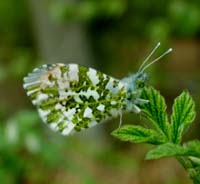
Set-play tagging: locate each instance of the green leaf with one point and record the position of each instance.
(167, 150)
(155, 110)
(195, 161)
(194, 146)
(138, 134)
(182, 116)
(191, 149)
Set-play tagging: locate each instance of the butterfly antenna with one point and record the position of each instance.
(165, 53)
(147, 58)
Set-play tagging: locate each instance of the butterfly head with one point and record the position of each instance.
(137, 81)
(140, 80)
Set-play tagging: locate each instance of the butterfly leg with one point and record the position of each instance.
(136, 109)
(120, 119)
(141, 101)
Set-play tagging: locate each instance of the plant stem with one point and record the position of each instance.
(183, 162)
(187, 164)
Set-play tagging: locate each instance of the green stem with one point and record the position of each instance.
(182, 162)
(187, 164)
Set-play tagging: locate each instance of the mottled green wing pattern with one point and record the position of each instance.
(72, 97)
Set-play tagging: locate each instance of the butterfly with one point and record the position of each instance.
(71, 97)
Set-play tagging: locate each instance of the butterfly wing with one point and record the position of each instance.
(72, 97)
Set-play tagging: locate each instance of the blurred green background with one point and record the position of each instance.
(114, 37)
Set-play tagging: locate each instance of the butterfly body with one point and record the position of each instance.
(71, 97)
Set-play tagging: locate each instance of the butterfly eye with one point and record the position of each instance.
(141, 79)
(140, 83)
